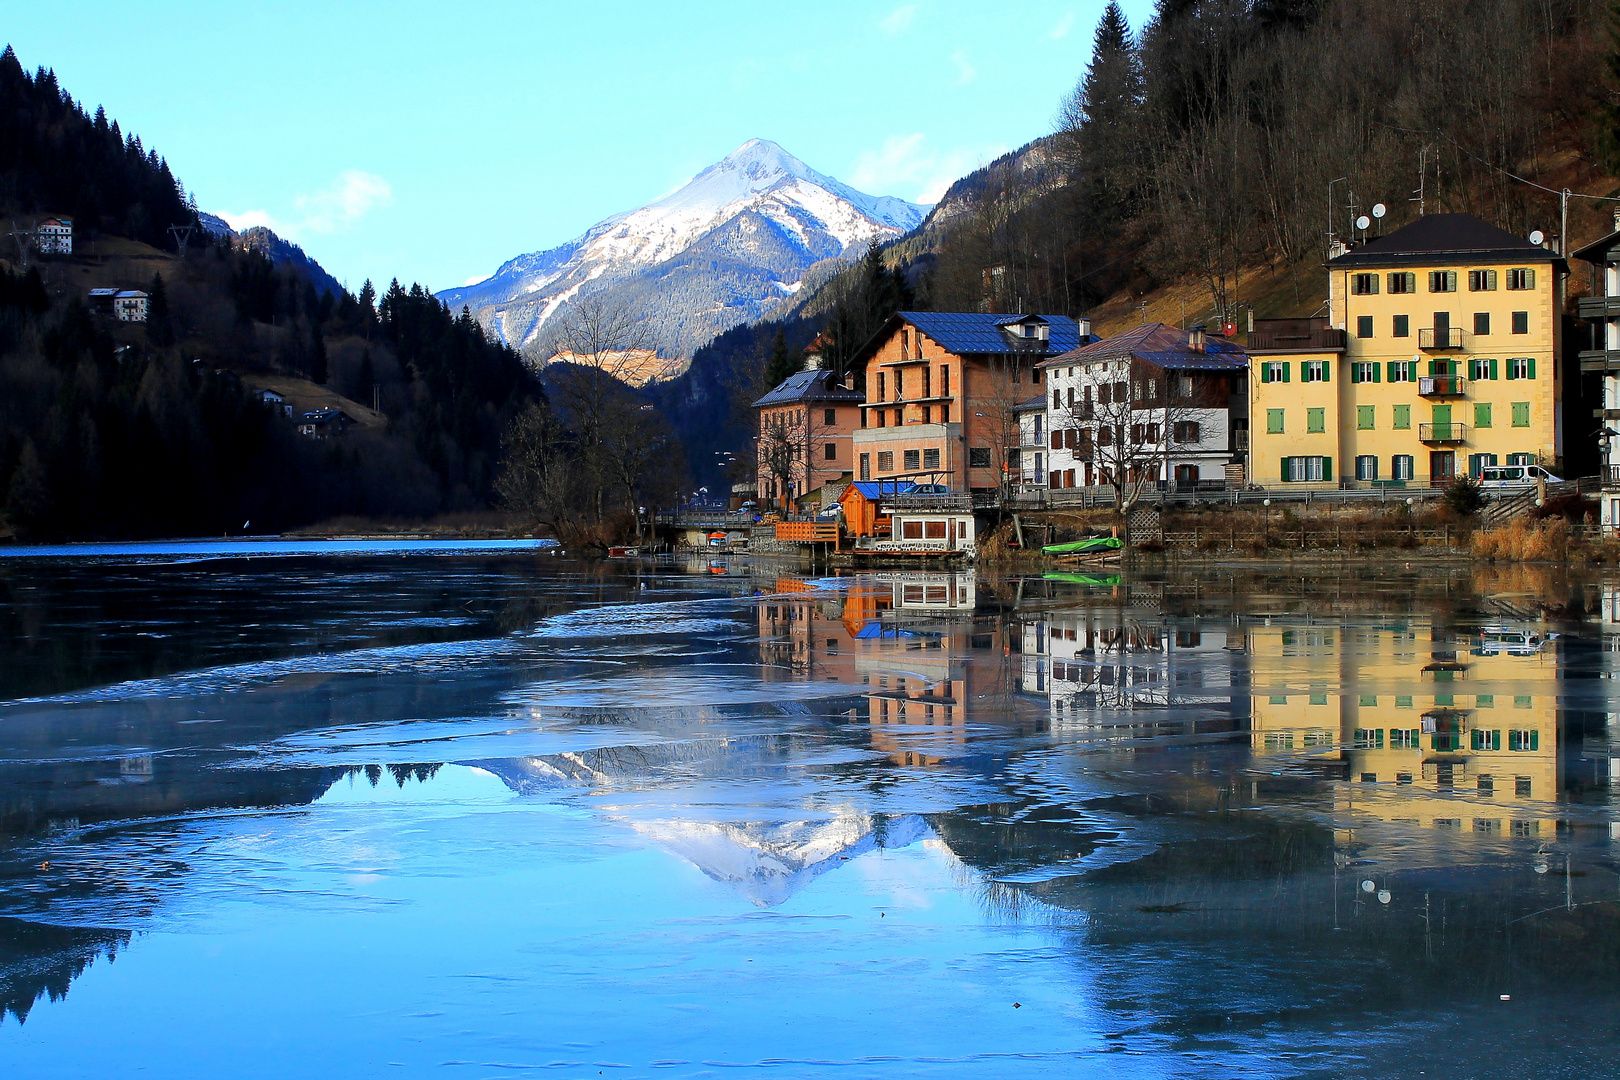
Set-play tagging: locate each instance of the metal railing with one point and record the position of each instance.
(1442, 386)
(1443, 433)
(1443, 337)
(1291, 340)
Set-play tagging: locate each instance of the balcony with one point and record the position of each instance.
(1611, 477)
(1296, 339)
(1598, 307)
(1442, 433)
(1442, 386)
(1440, 339)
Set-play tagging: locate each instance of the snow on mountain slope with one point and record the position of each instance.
(721, 250)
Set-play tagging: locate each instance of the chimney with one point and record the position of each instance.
(1084, 326)
(1195, 338)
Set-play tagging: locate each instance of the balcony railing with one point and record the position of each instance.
(1240, 439)
(1611, 476)
(1442, 386)
(1443, 433)
(1320, 338)
(1598, 307)
(1439, 338)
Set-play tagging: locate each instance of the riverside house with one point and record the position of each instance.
(941, 393)
(1438, 357)
(804, 432)
(1601, 310)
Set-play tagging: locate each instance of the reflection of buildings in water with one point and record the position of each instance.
(909, 640)
(1453, 735)
(1117, 673)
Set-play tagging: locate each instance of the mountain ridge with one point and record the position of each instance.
(725, 248)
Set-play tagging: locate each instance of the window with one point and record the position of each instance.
(1364, 422)
(1520, 279)
(829, 416)
(1403, 701)
(944, 381)
(1480, 369)
(1184, 387)
(1482, 281)
(1274, 421)
(1315, 421)
(1521, 367)
(1153, 389)
(1402, 282)
(1056, 442)
(911, 530)
(1401, 467)
(945, 412)
(1477, 464)
(1369, 738)
(1403, 738)
(979, 457)
(830, 451)
(1521, 459)
(1485, 740)
(1186, 431)
(899, 386)
(1401, 418)
(1364, 285)
(1403, 326)
(1366, 467)
(866, 466)
(928, 414)
(1136, 390)
(1521, 701)
(1313, 371)
(1363, 371)
(1482, 322)
(913, 460)
(1057, 398)
(1482, 415)
(931, 458)
(1444, 281)
(885, 461)
(1521, 322)
(882, 418)
(926, 377)
(1523, 741)
(880, 393)
(1274, 371)
(1402, 371)
(1484, 701)
(1299, 469)
(1521, 414)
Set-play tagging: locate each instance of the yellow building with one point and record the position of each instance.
(1450, 735)
(1438, 357)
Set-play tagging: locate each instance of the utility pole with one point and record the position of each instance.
(1330, 236)
(24, 238)
(182, 236)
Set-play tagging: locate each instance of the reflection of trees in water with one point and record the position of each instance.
(38, 960)
(401, 773)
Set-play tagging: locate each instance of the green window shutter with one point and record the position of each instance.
(1521, 414)
(1285, 478)
(1327, 372)
(1286, 365)
(1265, 372)
(1392, 370)
(1530, 283)
(1535, 740)
(1510, 374)
(1482, 414)
(1327, 468)
(1451, 281)
(1493, 369)
(1531, 373)
(1375, 372)
(1496, 740)
(1355, 373)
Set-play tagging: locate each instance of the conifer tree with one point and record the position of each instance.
(159, 330)
(780, 362)
(317, 358)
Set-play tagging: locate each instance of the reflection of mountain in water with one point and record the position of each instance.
(767, 862)
(37, 960)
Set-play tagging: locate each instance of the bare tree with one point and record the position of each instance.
(1126, 421)
(786, 446)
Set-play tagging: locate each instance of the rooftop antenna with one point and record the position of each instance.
(1330, 236)
(182, 236)
(1379, 211)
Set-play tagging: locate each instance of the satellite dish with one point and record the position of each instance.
(1368, 885)
(1363, 222)
(1537, 237)
(1379, 210)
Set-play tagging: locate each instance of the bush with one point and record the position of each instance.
(1464, 497)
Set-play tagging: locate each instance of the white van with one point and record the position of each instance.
(1500, 477)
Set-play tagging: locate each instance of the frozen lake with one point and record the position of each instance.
(485, 811)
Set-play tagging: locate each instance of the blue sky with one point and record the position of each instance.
(433, 141)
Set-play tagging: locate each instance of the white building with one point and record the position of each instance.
(130, 305)
(1029, 466)
(1155, 400)
(54, 236)
(1602, 312)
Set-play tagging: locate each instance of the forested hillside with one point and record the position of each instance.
(112, 429)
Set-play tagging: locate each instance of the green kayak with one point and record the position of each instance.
(1085, 579)
(1097, 545)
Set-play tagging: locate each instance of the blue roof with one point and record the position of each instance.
(876, 489)
(812, 385)
(972, 332)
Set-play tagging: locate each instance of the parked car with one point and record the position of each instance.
(930, 489)
(1513, 477)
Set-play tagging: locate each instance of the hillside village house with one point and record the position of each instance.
(54, 236)
(1602, 356)
(130, 305)
(941, 389)
(1155, 403)
(803, 437)
(1439, 357)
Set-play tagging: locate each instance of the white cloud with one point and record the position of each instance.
(907, 166)
(899, 20)
(965, 72)
(350, 197)
(1064, 25)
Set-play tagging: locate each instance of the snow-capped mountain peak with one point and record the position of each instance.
(720, 250)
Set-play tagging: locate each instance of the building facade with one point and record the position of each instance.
(941, 394)
(803, 436)
(1601, 311)
(1152, 404)
(1438, 358)
(54, 236)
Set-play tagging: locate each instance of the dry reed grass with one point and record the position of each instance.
(1524, 540)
